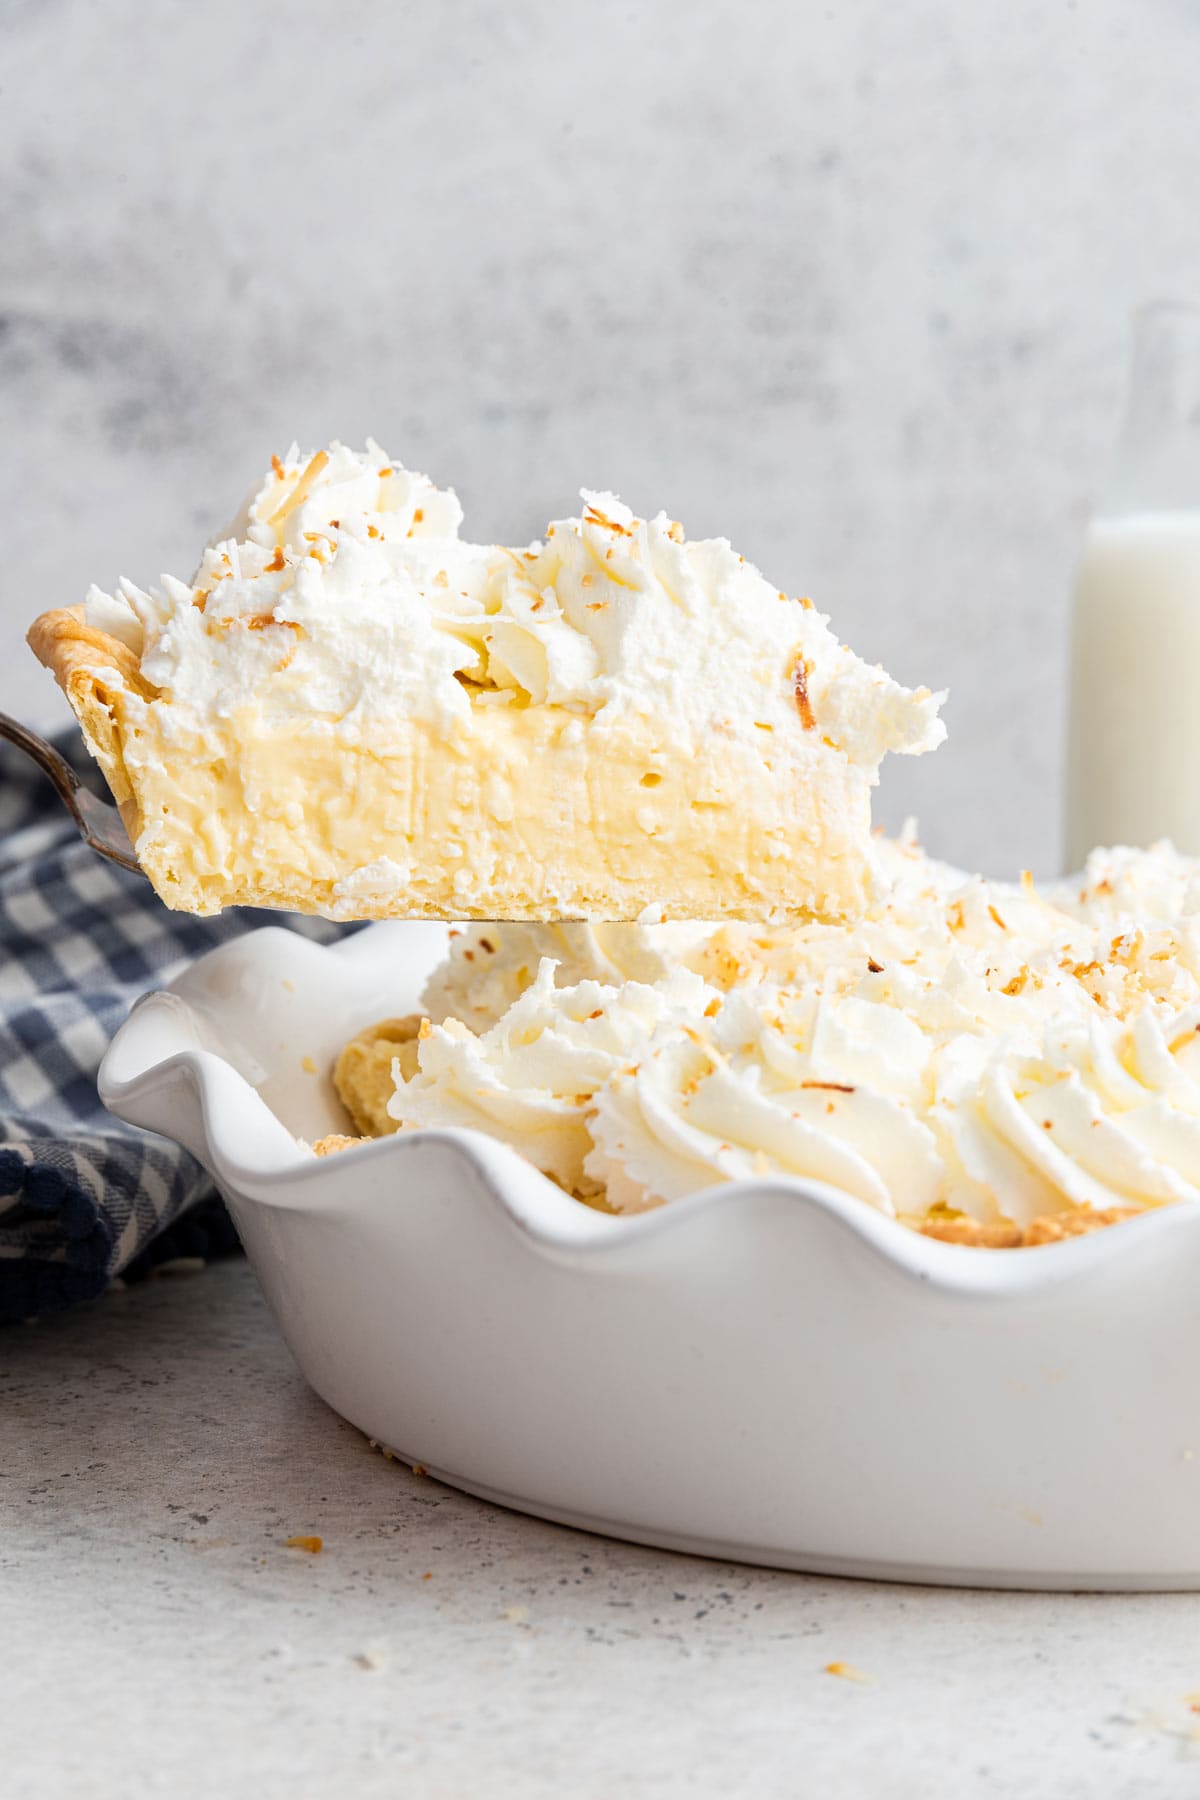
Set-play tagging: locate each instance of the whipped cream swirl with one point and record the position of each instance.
(968, 1048)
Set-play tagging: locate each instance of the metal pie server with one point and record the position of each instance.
(99, 822)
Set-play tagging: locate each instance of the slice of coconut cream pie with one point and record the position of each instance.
(351, 711)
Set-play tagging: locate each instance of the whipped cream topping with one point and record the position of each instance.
(487, 970)
(968, 1047)
(528, 1078)
(342, 590)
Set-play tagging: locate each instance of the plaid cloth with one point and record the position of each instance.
(83, 1197)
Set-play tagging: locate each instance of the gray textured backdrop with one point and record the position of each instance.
(847, 283)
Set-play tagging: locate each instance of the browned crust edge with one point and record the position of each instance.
(77, 653)
(94, 670)
(335, 1141)
(364, 1066)
(1053, 1228)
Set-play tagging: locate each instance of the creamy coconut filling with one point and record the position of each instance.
(968, 1050)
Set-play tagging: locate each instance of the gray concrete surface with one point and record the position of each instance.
(846, 283)
(157, 1450)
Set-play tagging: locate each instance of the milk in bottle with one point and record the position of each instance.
(1133, 768)
(1134, 755)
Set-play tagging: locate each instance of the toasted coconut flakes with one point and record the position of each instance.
(257, 622)
(301, 488)
(801, 670)
(593, 516)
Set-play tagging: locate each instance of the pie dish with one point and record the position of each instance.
(351, 711)
(768, 1371)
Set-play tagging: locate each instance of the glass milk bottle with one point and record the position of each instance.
(1133, 772)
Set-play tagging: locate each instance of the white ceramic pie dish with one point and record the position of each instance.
(769, 1371)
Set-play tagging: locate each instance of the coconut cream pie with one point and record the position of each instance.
(349, 710)
(985, 1062)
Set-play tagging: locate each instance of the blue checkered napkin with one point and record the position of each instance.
(81, 1195)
